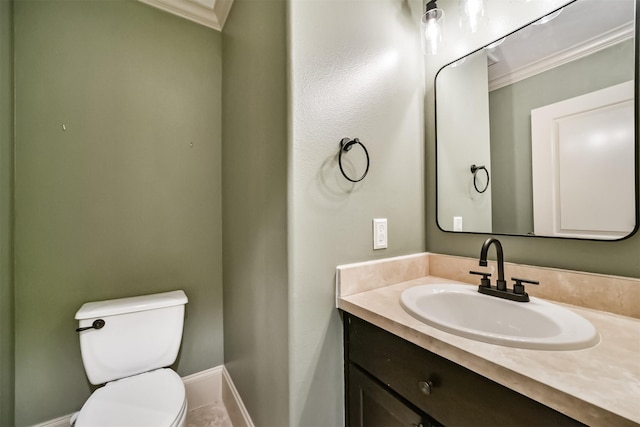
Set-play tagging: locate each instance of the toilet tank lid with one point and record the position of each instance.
(113, 307)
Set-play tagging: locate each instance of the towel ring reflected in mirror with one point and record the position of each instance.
(474, 171)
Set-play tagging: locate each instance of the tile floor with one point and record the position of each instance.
(214, 415)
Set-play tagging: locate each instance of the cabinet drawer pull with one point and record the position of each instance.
(425, 387)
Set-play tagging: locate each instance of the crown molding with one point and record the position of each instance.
(565, 56)
(210, 13)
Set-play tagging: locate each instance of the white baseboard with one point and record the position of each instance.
(233, 403)
(202, 388)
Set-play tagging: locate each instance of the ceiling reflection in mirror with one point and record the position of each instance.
(536, 132)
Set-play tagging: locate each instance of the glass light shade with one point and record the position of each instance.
(495, 44)
(432, 26)
(548, 18)
(471, 14)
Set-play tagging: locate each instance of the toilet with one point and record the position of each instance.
(128, 344)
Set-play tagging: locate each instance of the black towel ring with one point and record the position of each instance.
(347, 144)
(474, 171)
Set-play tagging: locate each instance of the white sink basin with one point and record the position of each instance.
(461, 310)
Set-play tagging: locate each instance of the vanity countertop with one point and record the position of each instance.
(597, 386)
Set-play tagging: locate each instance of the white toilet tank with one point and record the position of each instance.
(139, 334)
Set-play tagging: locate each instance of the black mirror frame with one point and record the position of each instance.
(636, 132)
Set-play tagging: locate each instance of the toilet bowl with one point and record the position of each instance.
(127, 345)
(151, 399)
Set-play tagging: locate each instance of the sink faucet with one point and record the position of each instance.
(501, 284)
(517, 293)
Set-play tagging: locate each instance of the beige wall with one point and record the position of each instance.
(620, 258)
(356, 71)
(126, 201)
(255, 207)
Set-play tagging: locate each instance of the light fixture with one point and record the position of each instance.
(549, 17)
(489, 49)
(458, 63)
(471, 12)
(495, 44)
(432, 23)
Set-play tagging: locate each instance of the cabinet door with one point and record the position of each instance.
(371, 405)
(456, 396)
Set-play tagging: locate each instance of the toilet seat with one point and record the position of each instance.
(153, 399)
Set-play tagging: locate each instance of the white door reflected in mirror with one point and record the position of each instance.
(583, 165)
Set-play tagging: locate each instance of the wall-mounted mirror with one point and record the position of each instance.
(536, 132)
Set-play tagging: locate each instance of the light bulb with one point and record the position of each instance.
(432, 25)
(472, 12)
(473, 8)
(433, 36)
(549, 17)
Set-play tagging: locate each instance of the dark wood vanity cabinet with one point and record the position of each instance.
(371, 404)
(392, 382)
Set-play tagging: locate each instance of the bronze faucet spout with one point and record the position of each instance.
(501, 284)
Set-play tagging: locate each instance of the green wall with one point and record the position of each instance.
(289, 96)
(466, 101)
(354, 70)
(126, 200)
(6, 215)
(255, 207)
(510, 111)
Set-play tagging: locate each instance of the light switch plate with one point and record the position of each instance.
(380, 233)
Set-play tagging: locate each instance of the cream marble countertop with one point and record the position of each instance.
(597, 386)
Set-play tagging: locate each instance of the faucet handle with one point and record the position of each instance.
(518, 287)
(484, 281)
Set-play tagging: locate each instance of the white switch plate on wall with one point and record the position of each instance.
(380, 233)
